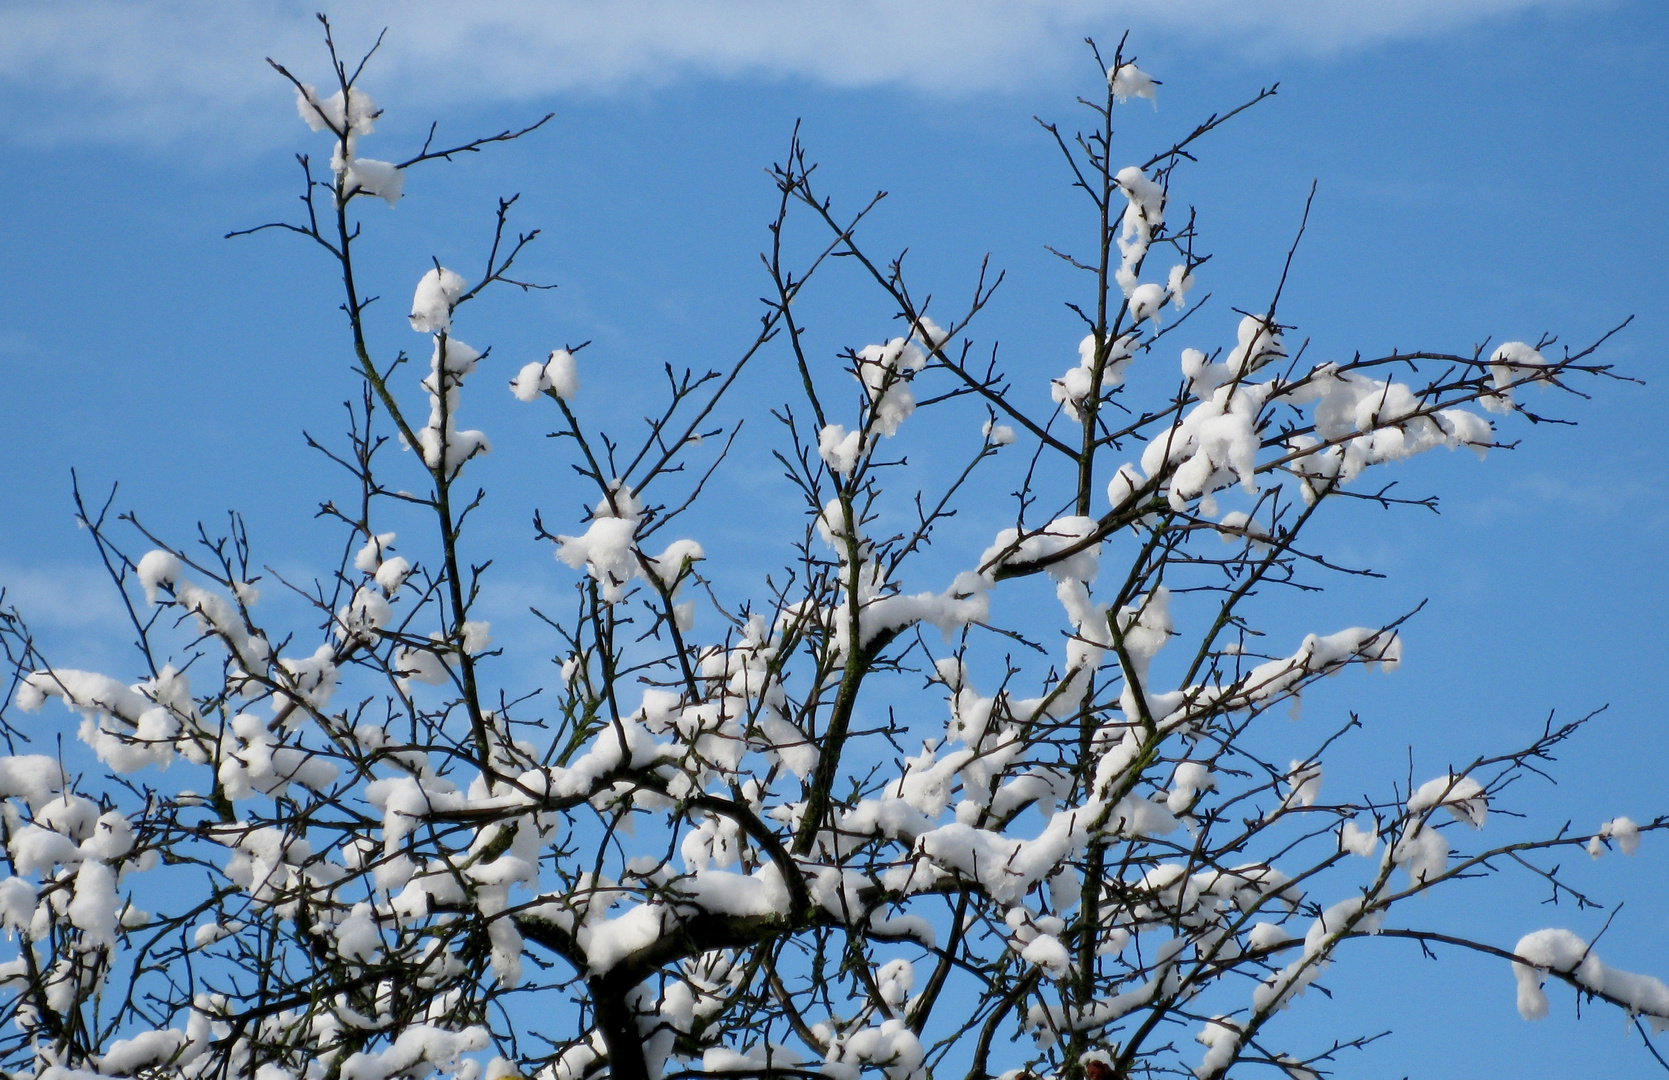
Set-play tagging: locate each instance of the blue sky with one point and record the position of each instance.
(1485, 169)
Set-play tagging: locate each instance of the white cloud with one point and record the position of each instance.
(159, 70)
(63, 597)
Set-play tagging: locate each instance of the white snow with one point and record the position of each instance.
(431, 305)
(414, 1048)
(608, 551)
(1128, 81)
(557, 374)
(1359, 841)
(885, 372)
(382, 179)
(840, 449)
(1562, 951)
(1512, 364)
(34, 778)
(997, 434)
(1463, 797)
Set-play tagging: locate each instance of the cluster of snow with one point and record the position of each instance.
(880, 607)
(557, 374)
(252, 758)
(80, 853)
(1179, 284)
(1351, 916)
(840, 449)
(885, 372)
(608, 550)
(347, 115)
(215, 614)
(1323, 654)
(760, 1060)
(438, 292)
(1623, 830)
(1215, 444)
(1072, 390)
(891, 1046)
(1048, 1022)
(1360, 422)
(1422, 852)
(1144, 628)
(373, 558)
(746, 706)
(1239, 525)
(1221, 1036)
(1123, 488)
(997, 434)
(445, 448)
(1357, 422)
(1358, 841)
(1189, 781)
(1127, 81)
(1562, 951)
(1303, 782)
(1512, 364)
(1068, 541)
(1144, 214)
(431, 664)
(145, 1050)
(416, 1051)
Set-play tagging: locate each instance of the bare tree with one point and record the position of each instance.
(711, 845)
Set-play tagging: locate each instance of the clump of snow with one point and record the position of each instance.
(557, 374)
(1360, 422)
(1359, 841)
(128, 727)
(1562, 951)
(1238, 524)
(1303, 784)
(1190, 779)
(1122, 488)
(157, 568)
(431, 305)
(608, 551)
(1049, 542)
(894, 980)
(1127, 81)
(840, 449)
(892, 1047)
(1621, 829)
(1178, 284)
(371, 555)
(349, 116)
(1144, 214)
(1073, 390)
(1345, 917)
(997, 434)
(885, 372)
(418, 1050)
(1146, 301)
(1221, 1036)
(34, 778)
(1512, 364)
(443, 445)
(1463, 797)
(366, 176)
(148, 1048)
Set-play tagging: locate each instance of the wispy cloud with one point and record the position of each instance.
(149, 71)
(62, 597)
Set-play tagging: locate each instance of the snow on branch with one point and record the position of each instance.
(980, 767)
